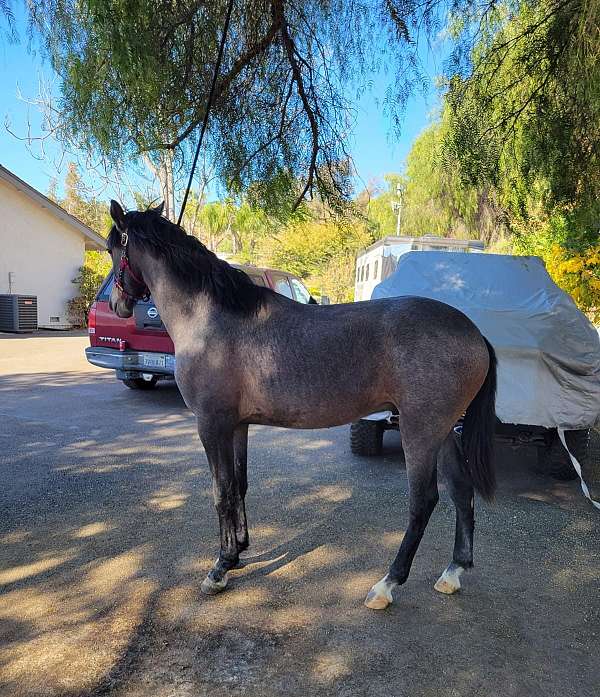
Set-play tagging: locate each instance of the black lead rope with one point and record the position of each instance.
(208, 107)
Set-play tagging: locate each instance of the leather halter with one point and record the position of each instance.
(124, 265)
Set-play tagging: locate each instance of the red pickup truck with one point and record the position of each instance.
(139, 348)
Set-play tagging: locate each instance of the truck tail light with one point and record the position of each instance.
(92, 319)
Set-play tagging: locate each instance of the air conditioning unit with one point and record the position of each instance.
(18, 313)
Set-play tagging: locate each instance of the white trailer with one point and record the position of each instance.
(380, 260)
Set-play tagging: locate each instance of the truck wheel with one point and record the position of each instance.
(556, 461)
(366, 437)
(140, 383)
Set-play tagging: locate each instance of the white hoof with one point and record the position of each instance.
(210, 587)
(449, 582)
(380, 596)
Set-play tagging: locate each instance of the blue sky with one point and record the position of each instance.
(375, 151)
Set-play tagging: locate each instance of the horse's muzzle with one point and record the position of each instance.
(120, 306)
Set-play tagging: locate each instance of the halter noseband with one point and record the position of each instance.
(124, 265)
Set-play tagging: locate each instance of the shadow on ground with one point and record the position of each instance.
(44, 334)
(109, 529)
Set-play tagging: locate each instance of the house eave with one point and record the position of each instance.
(93, 241)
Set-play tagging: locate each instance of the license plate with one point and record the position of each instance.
(155, 361)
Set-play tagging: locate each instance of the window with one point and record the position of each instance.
(106, 288)
(366, 272)
(375, 269)
(282, 286)
(302, 295)
(257, 280)
(362, 274)
(357, 274)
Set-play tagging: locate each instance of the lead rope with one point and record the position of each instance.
(208, 107)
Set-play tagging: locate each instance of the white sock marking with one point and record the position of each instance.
(452, 576)
(384, 587)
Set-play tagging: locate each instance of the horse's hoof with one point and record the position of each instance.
(380, 596)
(448, 583)
(442, 586)
(210, 587)
(376, 602)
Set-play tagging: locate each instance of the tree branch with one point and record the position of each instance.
(222, 87)
(292, 54)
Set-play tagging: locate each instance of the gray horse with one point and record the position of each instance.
(246, 355)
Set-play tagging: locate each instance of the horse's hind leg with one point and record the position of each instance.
(421, 469)
(451, 463)
(240, 455)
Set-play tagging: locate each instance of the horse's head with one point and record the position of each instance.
(129, 285)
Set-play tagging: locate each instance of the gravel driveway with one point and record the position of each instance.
(108, 529)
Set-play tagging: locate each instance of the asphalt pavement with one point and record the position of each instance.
(108, 529)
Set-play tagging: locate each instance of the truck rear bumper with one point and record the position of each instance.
(130, 364)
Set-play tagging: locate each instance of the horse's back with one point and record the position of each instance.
(405, 321)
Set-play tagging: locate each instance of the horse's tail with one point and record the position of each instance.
(478, 433)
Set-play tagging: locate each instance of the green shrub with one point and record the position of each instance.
(95, 267)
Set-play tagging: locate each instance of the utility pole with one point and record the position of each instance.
(397, 206)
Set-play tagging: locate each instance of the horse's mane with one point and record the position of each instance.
(194, 267)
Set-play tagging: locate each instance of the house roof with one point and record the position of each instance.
(93, 241)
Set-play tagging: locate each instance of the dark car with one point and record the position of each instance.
(139, 348)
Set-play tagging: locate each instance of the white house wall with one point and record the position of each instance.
(43, 253)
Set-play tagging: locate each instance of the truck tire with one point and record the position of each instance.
(366, 437)
(555, 460)
(140, 383)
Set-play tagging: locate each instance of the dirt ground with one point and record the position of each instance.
(108, 529)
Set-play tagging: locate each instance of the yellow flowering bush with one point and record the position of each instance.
(579, 275)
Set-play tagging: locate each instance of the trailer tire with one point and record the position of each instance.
(555, 460)
(366, 437)
(591, 473)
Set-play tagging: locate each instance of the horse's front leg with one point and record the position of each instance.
(240, 456)
(218, 438)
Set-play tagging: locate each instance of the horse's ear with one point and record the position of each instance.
(117, 214)
(160, 208)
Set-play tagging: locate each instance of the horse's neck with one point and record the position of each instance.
(175, 307)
